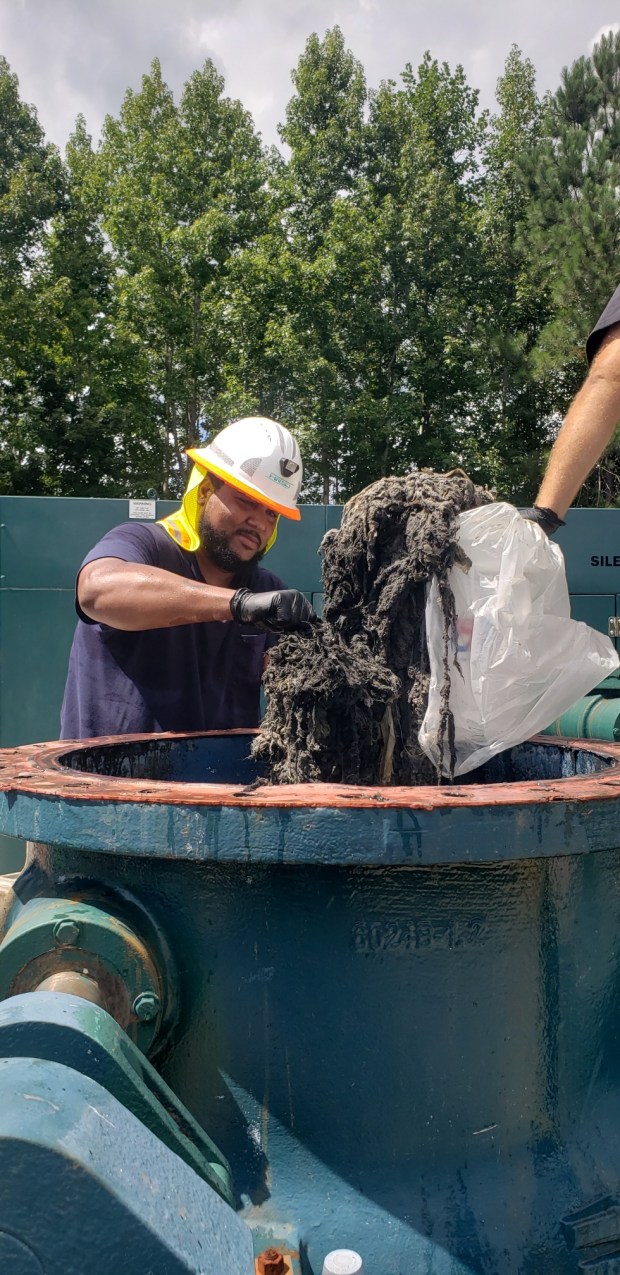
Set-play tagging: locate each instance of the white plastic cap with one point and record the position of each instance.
(343, 1261)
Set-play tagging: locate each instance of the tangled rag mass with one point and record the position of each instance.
(345, 701)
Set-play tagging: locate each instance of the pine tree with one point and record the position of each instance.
(182, 195)
(324, 130)
(32, 188)
(511, 403)
(90, 398)
(572, 236)
(412, 293)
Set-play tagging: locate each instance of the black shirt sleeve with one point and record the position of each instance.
(610, 316)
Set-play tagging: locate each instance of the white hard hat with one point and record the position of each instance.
(258, 457)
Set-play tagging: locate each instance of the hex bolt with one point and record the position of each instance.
(66, 933)
(271, 1262)
(146, 1007)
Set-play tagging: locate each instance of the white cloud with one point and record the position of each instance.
(82, 55)
(604, 30)
(207, 35)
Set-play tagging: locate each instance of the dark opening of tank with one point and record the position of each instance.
(226, 759)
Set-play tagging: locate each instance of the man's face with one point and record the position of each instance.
(233, 528)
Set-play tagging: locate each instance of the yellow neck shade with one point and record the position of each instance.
(182, 525)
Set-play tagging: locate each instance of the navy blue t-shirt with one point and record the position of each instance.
(189, 677)
(610, 316)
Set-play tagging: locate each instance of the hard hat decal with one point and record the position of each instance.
(288, 467)
(222, 455)
(250, 466)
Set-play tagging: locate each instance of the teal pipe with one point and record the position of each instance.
(592, 717)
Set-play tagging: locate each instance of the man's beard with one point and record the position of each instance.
(218, 548)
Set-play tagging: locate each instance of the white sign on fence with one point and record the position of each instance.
(145, 510)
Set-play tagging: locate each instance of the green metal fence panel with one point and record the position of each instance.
(295, 556)
(36, 628)
(590, 544)
(594, 609)
(333, 514)
(44, 538)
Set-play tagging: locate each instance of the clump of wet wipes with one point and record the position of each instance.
(345, 700)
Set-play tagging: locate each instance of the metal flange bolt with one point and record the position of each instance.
(66, 933)
(271, 1262)
(146, 1007)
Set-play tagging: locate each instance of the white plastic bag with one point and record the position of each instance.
(523, 660)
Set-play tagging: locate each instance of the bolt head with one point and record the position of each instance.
(66, 933)
(271, 1262)
(146, 1007)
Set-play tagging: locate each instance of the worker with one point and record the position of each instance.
(589, 424)
(176, 617)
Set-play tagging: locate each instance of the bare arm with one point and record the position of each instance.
(130, 596)
(587, 429)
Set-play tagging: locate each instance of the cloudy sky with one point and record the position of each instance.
(81, 55)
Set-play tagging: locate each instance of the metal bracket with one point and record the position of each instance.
(87, 1187)
(66, 1029)
(60, 937)
(596, 1228)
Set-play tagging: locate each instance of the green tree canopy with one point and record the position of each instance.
(182, 193)
(408, 283)
(571, 234)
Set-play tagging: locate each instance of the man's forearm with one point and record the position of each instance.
(129, 596)
(587, 429)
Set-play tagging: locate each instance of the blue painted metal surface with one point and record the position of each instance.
(67, 1029)
(398, 1007)
(146, 810)
(87, 1187)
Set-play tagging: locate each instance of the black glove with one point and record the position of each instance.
(544, 517)
(280, 612)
